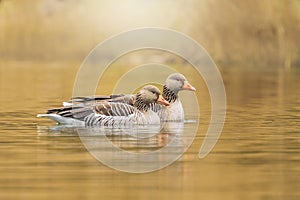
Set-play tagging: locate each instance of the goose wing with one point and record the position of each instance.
(118, 106)
(121, 98)
(111, 114)
(76, 112)
(114, 109)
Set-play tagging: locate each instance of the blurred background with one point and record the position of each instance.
(256, 46)
(235, 33)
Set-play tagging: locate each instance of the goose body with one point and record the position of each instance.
(174, 112)
(121, 114)
(112, 113)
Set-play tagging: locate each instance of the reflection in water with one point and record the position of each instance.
(256, 157)
(135, 149)
(171, 131)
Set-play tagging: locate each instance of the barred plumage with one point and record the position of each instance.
(174, 84)
(114, 112)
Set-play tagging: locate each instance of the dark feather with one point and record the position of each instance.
(114, 109)
(76, 112)
(121, 98)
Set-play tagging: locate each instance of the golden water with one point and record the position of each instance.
(256, 157)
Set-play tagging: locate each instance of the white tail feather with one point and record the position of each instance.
(65, 104)
(62, 120)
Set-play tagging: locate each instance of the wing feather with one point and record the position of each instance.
(77, 112)
(114, 109)
(89, 100)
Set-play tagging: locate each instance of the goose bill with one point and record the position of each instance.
(162, 100)
(188, 86)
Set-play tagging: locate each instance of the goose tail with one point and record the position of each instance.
(62, 120)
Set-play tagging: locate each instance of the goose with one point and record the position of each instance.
(174, 83)
(112, 113)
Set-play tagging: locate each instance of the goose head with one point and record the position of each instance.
(148, 95)
(177, 82)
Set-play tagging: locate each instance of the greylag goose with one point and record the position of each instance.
(175, 83)
(112, 113)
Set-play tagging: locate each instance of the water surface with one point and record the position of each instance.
(256, 157)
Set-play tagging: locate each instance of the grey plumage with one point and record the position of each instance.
(122, 110)
(173, 85)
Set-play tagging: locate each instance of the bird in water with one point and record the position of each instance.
(174, 83)
(112, 112)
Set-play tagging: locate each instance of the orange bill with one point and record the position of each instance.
(162, 100)
(188, 86)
